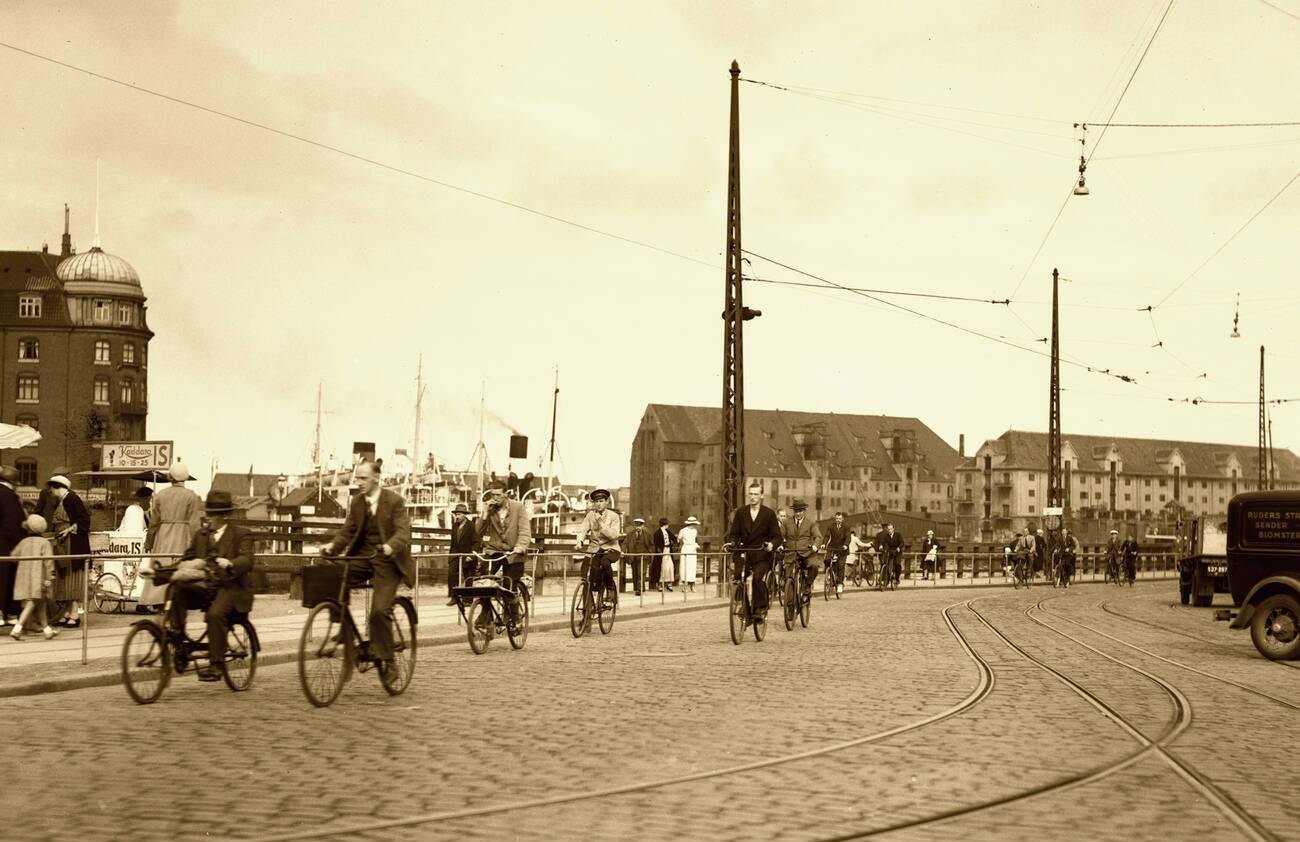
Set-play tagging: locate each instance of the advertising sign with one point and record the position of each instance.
(135, 455)
(125, 569)
(1270, 524)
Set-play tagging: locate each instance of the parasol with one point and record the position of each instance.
(17, 435)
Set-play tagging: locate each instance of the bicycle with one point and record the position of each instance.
(484, 603)
(1023, 572)
(584, 607)
(1112, 570)
(1063, 567)
(332, 645)
(831, 582)
(887, 579)
(740, 613)
(154, 648)
(855, 575)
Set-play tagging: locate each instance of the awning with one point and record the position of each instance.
(128, 473)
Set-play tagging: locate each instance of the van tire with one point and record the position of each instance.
(1282, 610)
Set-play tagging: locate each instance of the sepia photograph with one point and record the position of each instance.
(651, 420)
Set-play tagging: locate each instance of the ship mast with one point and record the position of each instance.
(419, 404)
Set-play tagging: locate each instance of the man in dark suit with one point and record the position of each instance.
(228, 549)
(754, 528)
(11, 532)
(890, 546)
(837, 544)
(637, 548)
(1129, 551)
(377, 525)
(461, 564)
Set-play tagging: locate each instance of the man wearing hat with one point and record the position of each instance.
(175, 516)
(638, 547)
(505, 535)
(1113, 555)
(803, 538)
(601, 529)
(228, 549)
(461, 564)
(1129, 550)
(754, 528)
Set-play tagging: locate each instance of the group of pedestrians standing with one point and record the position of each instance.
(669, 557)
(59, 525)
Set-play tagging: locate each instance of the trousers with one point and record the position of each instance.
(217, 609)
(384, 577)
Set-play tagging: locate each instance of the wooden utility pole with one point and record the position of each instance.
(1263, 442)
(1055, 494)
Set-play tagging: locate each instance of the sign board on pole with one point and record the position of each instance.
(1054, 510)
(136, 455)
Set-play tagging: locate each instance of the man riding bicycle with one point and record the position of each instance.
(802, 539)
(754, 530)
(505, 535)
(377, 533)
(889, 544)
(1026, 547)
(1069, 552)
(837, 544)
(602, 529)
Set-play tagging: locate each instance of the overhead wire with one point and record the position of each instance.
(1278, 8)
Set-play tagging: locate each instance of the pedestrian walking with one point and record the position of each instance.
(175, 515)
(665, 543)
(930, 548)
(34, 582)
(689, 537)
(1129, 550)
(461, 564)
(1040, 553)
(71, 526)
(637, 548)
(11, 532)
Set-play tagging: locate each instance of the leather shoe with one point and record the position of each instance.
(451, 600)
(209, 674)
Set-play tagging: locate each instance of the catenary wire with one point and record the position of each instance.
(356, 156)
(1278, 8)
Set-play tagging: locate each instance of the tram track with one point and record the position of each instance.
(983, 688)
(1105, 606)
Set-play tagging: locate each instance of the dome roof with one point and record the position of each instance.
(99, 266)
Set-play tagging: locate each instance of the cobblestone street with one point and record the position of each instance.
(1117, 716)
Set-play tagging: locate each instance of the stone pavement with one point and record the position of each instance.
(670, 696)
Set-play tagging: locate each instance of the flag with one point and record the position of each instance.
(401, 451)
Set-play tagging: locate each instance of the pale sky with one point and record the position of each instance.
(271, 265)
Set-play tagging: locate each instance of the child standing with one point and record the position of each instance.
(35, 580)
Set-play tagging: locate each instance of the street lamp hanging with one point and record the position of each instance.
(1082, 188)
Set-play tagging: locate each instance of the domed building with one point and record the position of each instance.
(75, 355)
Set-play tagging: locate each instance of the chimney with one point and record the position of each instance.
(67, 235)
(961, 445)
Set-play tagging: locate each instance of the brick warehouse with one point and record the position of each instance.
(74, 362)
(853, 463)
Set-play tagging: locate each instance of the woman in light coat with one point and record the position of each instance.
(175, 515)
(689, 537)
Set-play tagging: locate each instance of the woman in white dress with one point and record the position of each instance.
(689, 536)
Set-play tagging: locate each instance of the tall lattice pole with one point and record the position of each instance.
(1263, 442)
(1055, 495)
(733, 348)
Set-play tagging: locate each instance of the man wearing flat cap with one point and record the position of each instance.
(505, 534)
(601, 529)
(638, 547)
(228, 549)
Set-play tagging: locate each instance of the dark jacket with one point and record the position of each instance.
(78, 516)
(637, 545)
(752, 532)
(837, 537)
(237, 545)
(394, 530)
(11, 519)
(1129, 548)
(887, 546)
(464, 537)
(659, 540)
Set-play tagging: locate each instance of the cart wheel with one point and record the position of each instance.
(325, 654)
(479, 638)
(146, 662)
(737, 613)
(240, 663)
(397, 679)
(107, 594)
(579, 622)
(606, 617)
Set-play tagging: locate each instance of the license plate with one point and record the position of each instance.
(1217, 569)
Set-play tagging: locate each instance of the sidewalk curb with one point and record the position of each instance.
(268, 659)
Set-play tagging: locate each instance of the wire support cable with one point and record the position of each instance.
(935, 295)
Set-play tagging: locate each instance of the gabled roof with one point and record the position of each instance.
(1025, 450)
(27, 271)
(237, 484)
(852, 442)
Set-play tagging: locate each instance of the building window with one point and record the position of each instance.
(1096, 495)
(103, 352)
(128, 353)
(1031, 492)
(101, 389)
(1146, 498)
(125, 313)
(29, 349)
(1128, 481)
(1162, 483)
(1031, 508)
(1031, 477)
(29, 420)
(1162, 498)
(29, 388)
(26, 471)
(103, 310)
(29, 306)
(1128, 497)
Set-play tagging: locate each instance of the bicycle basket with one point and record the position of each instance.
(320, 582)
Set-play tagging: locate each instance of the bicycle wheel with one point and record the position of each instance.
(738, 613)
(479, 638)
(827, 584)
(325, 654)
(805, 604)
(579, 621)
(517, 630)
(398, 678)
(790, 604)
(106, 593)
(837, 586)
(240, 662)
(607, 612)
(146, 662)
(857, 575)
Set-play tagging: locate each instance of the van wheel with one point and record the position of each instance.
(1275, 628)
(1185, 593)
